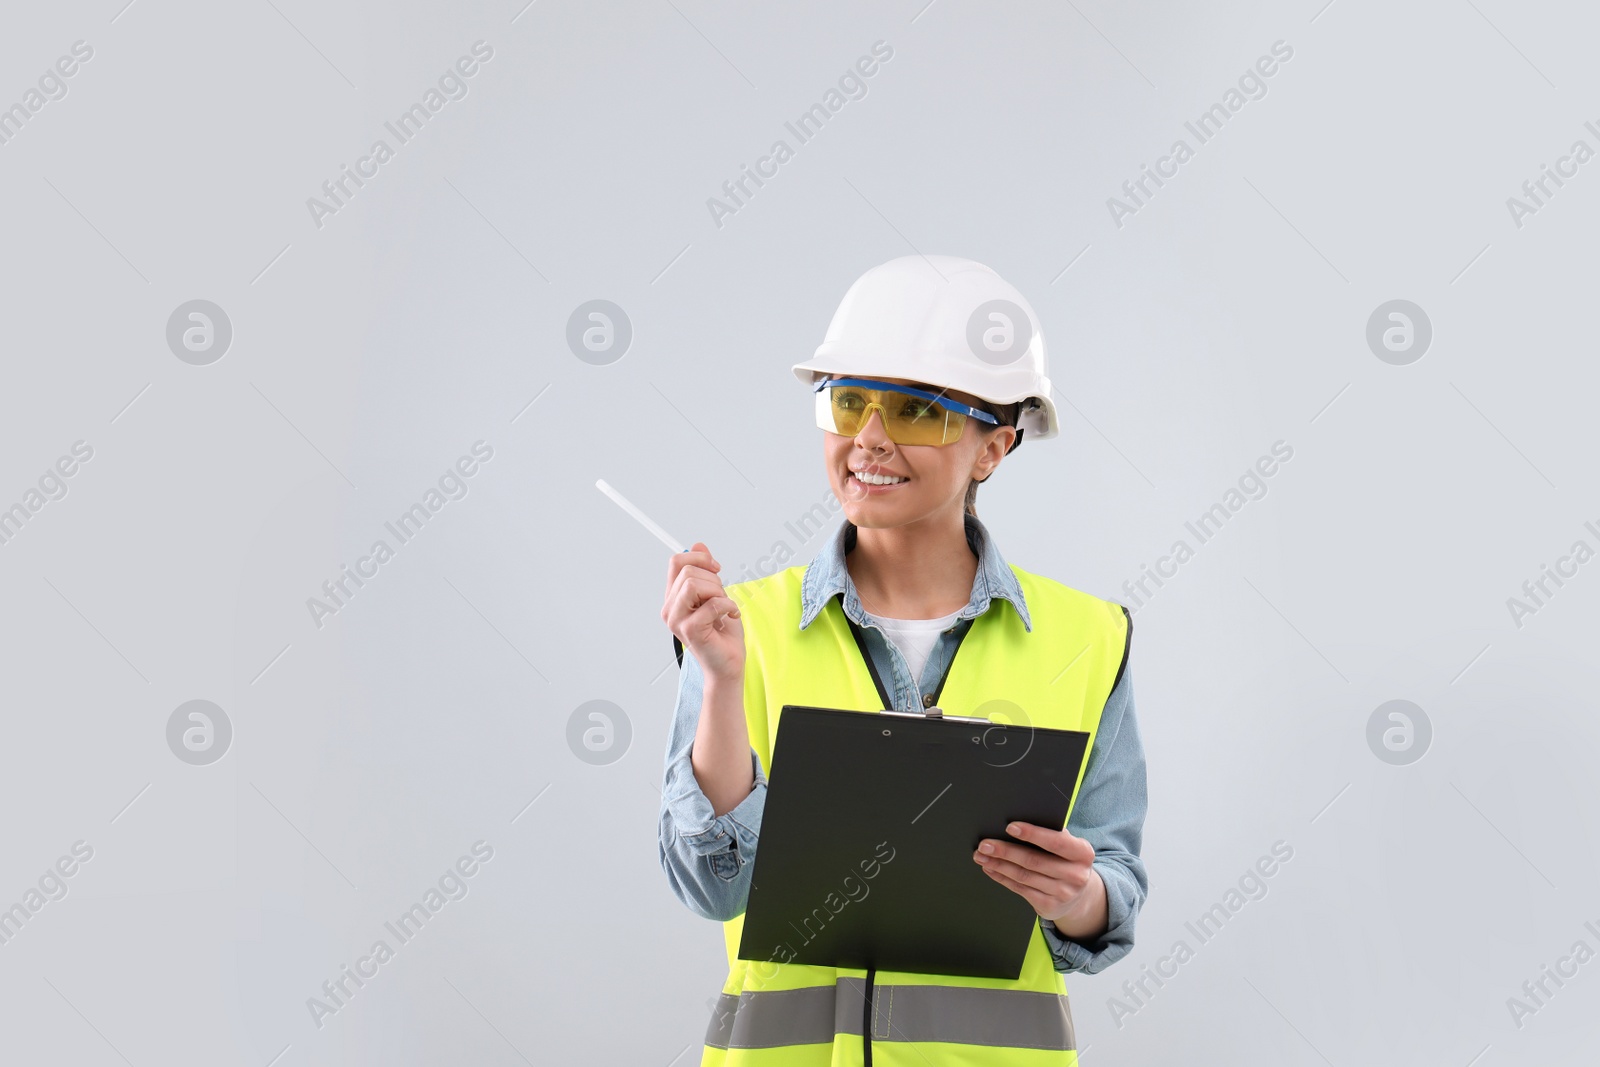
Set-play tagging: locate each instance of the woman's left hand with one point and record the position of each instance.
(1057, 876)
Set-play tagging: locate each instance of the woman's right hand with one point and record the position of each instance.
(701, 614)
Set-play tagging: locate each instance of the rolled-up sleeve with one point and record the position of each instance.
(1109, 814)
(707, 857)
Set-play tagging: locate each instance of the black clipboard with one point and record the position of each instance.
(867, 836)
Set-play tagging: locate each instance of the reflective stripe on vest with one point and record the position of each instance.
(1058, 675)
(956, 1014)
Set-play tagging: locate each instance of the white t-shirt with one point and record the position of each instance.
(915, 638)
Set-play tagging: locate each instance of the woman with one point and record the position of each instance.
(932, 371)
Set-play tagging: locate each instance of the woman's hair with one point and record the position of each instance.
(1007, 414)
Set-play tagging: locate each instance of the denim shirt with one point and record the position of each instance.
(709, 858)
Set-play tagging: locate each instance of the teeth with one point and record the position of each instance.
(878, 479)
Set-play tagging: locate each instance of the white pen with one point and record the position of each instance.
(644, 520)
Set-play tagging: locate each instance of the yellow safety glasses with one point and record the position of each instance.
(910, 416)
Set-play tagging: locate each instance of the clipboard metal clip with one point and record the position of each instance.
(934, 712)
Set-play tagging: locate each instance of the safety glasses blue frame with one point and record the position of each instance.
(940, 423)
(942, 401)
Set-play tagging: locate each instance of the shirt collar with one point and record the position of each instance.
(827, 576)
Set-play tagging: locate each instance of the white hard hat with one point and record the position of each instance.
(946, 321)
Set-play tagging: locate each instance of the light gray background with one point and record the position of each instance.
(369, 754)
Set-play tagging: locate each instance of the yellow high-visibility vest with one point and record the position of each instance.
(790, 1015)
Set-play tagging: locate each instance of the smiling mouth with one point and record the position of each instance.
(878, 480)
